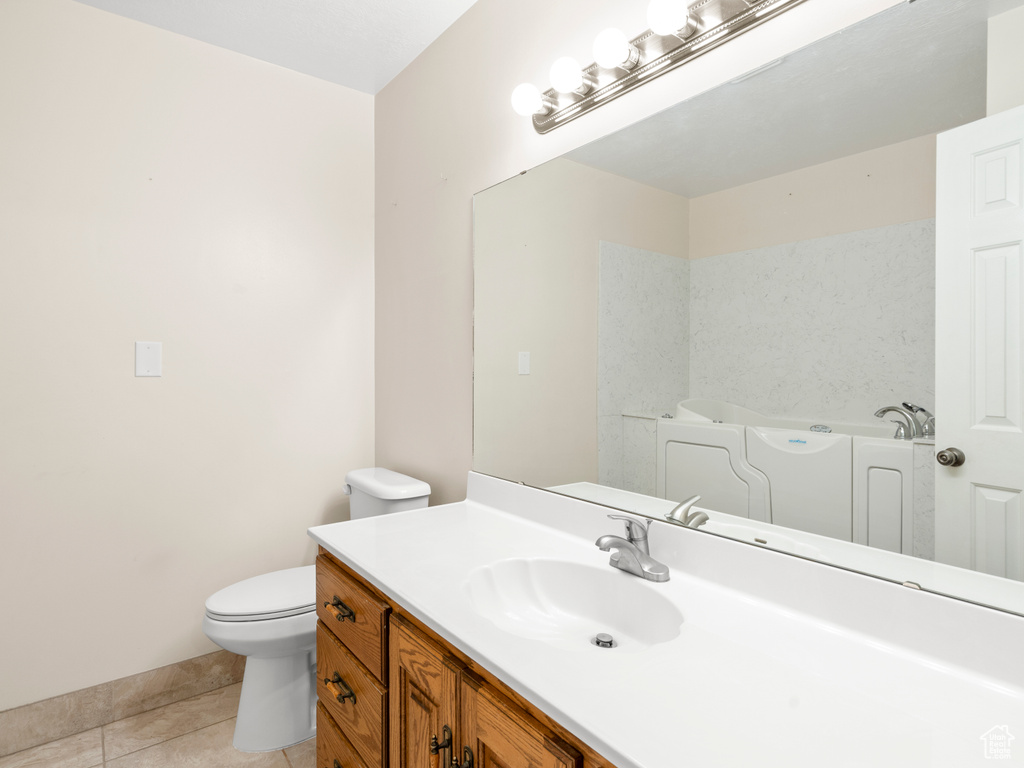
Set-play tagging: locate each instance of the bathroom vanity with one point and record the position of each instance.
(416, 693)
(479, 616)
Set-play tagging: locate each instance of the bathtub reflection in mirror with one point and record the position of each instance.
(695, 292)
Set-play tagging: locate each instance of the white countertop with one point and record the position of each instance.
(779, 661)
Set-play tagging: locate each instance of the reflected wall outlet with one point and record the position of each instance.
(148, 358)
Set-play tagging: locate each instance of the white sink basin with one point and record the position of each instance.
(567, 603)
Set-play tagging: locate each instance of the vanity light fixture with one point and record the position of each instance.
(680, 31)
(567, 77)
(671, 17)
(612, 50)
(528, 100)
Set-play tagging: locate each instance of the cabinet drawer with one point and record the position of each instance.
(362, 720)
(360, 621)
(332, 748)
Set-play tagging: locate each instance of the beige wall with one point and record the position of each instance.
(1005, 61)
(536, 239)
(155, 188)
(889, 185)
(444, 130)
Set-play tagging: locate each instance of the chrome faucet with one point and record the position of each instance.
(924, 418)
(633, 556)
(636, 531)
(904, 431)
(681, 514)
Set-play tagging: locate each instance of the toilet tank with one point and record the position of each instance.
(378, 491)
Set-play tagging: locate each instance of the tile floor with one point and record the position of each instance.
(193, 733)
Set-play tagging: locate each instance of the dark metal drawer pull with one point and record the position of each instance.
(339, 688)
(342, 611)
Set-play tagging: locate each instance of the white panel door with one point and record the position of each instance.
(979, 399)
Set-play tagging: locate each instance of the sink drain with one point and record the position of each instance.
(603, 640)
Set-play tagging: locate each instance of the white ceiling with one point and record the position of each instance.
(915, 69)
(361, 44)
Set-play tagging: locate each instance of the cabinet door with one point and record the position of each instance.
(424, 692)
(501, 735)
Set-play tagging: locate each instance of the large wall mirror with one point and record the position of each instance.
(736, 298)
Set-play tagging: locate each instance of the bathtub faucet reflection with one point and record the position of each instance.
(925, 419)
(906, 429)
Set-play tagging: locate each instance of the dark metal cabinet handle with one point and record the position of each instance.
(339, 688)
(436, 746)
(342, 611)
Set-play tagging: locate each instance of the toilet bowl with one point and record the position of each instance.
(271, 620)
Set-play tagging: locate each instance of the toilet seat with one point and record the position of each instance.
(272, 595)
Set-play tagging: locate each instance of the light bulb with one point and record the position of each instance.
(612, 49)
(566, 75)
(527, 100)
(670, 17)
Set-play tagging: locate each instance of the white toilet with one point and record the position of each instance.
(271, 620)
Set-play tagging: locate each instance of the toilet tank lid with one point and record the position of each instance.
(384, 484)
(292, 590)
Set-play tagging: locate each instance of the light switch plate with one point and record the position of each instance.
(524, 363)
(148, 358)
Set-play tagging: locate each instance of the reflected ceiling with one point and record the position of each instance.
(924, 72)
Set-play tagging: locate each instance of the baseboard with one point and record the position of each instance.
(44, 721)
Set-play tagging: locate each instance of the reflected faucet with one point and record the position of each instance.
(924, 418)
(904, 431)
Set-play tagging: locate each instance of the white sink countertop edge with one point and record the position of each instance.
(779, 661)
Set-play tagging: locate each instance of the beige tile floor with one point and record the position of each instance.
(194, 733)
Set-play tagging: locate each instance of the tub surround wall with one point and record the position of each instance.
(156, 188)
(924, 499)
(831, 328)
(639, 457)
(817, 316)
(643, 331)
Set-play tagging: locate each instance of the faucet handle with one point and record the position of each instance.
(681, 510)
(916, 409)
(636, 527)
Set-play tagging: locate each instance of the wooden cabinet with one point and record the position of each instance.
(333, 750)
(501, 735)
(354, 698)
(388, 687)
(424, 695)
(354, 614)
(351, 669)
